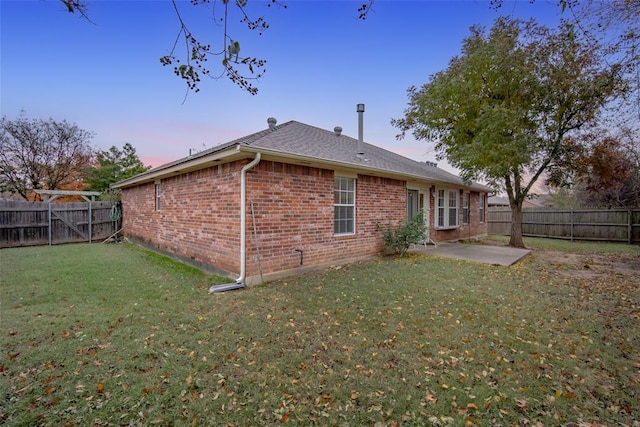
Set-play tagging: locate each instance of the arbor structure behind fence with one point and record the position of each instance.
(41, 223)
(612, 225)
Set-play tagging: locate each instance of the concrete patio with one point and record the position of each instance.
(497, 255)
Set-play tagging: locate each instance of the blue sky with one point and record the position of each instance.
(322, 61)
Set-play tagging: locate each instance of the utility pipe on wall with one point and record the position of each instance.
(243, 217)
(360, 111)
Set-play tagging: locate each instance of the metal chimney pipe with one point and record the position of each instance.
(360, 111)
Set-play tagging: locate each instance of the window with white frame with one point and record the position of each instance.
(465, 208)
(441, 208)
(447, 208)
(481, 203)
(157, 198)
(344, 205)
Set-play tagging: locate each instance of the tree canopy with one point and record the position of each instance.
(504, 109)
(605, 175)
(113, 165)
(189, 56)
(40, 154)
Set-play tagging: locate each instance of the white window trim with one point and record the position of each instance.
(482, 208)
(353, 206)
(157, 193)
(445, 206)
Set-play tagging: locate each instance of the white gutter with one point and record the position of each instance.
(243, 218)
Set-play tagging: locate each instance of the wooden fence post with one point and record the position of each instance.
(629, 226)
(572, 224)
(49, 228)
(89, 212)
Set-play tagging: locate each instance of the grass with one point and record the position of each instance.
(579, 247)
(112, 335)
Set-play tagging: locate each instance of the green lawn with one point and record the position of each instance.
(580, 247)
(113, 335)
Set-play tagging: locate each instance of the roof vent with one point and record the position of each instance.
(337, 130)
(272, 122)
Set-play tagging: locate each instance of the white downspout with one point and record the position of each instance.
(243, 218)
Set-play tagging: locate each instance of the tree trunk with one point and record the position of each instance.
(516, 226)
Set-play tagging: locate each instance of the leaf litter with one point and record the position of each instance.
(414, 341)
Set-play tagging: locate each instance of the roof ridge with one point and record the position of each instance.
(296, 138)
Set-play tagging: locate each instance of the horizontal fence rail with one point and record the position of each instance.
(41, 223)
(611, 225)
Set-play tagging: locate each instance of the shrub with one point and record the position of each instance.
(398, 240)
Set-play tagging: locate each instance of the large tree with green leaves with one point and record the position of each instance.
(40, 154)
(511, 106)
(113, 165)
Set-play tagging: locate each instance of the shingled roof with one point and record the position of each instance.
(301, 139)
(295, 139)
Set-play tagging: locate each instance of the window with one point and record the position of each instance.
(482, 197)
(157, 196)
(344, 205)
(441, 208)
(447, 208)
(453, 208)
(465, 208)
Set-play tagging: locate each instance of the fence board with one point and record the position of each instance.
(40, 223)
(613, 225)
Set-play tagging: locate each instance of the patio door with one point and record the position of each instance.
(418, 201)
(413, 203)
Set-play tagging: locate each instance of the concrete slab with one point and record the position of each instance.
(498, 255)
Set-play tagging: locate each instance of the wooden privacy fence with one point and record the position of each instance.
(41, 223)
(612, 225)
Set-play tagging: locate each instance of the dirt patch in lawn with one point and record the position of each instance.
(591, 266)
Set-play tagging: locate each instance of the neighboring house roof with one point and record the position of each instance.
(299, 141)
(498, 201)
(534, 201)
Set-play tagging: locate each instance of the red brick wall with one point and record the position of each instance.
(293, 206)
(198, 217)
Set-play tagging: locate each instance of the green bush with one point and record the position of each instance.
(398, 240)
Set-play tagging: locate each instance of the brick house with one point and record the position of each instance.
(312, 198)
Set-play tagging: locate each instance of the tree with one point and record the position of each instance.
(41, 154)
(112, 166)
(609, 174)
(614, 24)
(189, 55)
(503, 111)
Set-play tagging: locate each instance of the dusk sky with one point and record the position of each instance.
(322, 61)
